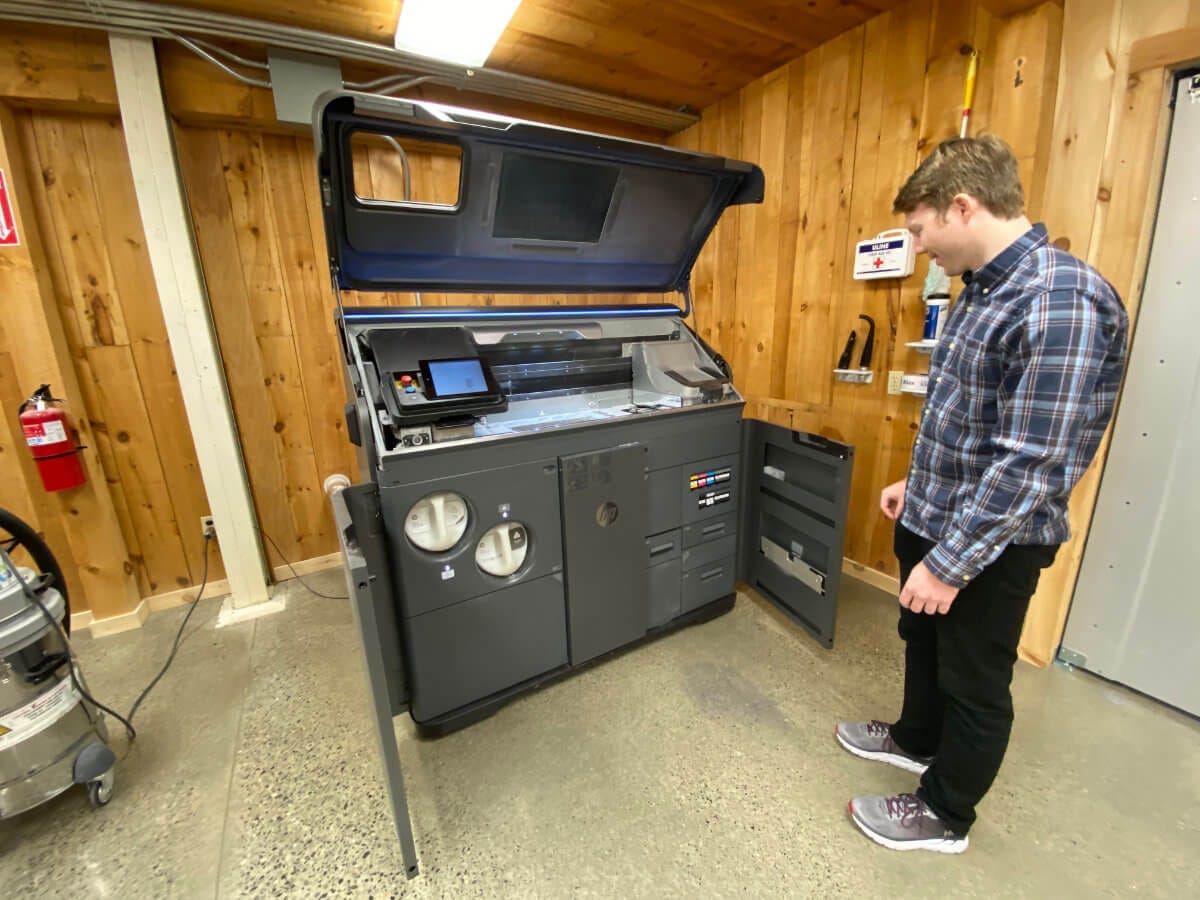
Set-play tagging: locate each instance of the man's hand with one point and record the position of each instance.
(923, 593)
(891, 501)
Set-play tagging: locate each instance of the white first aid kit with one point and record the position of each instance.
(887, 255)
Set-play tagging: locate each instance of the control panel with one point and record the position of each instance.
(430, 376)
(444, 380)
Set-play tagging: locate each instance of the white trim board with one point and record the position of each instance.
(186, 312)
(184, 596)
(118, 624)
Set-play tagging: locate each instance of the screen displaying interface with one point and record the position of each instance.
(455, 377)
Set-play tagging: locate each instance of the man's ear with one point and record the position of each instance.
(965, 206)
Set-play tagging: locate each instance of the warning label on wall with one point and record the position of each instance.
(39, 433)
(8, 220)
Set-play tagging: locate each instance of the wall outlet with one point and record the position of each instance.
(895, 379)
(206, 526)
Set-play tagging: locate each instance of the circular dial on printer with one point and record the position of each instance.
(502, 549)
(437, 522)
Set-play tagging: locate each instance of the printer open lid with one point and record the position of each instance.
(540, 209)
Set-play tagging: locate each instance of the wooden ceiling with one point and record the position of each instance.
(676, 53)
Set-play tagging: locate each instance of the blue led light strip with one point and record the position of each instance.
(381, 314)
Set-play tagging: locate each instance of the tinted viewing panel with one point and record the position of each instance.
(552, 199)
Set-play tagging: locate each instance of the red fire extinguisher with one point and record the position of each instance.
(51, 441)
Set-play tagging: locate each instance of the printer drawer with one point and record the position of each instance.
(663, 547)
(707, 583)
(704, 554)
(709, 530)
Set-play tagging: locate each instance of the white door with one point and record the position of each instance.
(1135, 617)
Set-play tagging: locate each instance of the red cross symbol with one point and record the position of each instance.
(878, 261)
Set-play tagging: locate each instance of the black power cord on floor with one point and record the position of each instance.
(72, 666)
(307, 586)
(178, 635)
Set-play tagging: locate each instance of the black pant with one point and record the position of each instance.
(957, 676)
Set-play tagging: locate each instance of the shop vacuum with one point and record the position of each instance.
(52, 736)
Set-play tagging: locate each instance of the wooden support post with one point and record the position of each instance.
(30, 317)
(188, 319)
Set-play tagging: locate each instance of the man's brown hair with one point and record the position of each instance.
(983, 167)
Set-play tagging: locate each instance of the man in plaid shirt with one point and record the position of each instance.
(1022, 385)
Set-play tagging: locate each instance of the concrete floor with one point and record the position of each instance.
(700, 765)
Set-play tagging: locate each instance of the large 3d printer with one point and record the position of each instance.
(544, 486)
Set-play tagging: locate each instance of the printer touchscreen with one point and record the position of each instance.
(454, 377)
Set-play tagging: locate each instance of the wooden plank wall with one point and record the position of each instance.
(836, 132)
(78, 172)
(80, 524)
(197, 95)
(255, 210)
(117, 539)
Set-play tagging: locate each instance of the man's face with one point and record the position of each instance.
(946, 238)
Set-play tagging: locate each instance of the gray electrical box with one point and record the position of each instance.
(298, 79)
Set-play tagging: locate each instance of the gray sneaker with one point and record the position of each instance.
(873, 740)
(904, 822)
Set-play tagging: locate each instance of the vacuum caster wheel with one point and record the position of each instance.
(100, 791)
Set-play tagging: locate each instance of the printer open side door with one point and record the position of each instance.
(795, 494)
(360, 532)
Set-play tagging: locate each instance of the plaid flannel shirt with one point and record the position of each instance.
(1022, 385)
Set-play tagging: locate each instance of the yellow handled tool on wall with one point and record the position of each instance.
(969, 93)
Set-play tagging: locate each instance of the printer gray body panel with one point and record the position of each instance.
(473, 637)
(433, 580)
(473, 649)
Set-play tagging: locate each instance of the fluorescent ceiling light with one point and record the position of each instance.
(456, 31)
